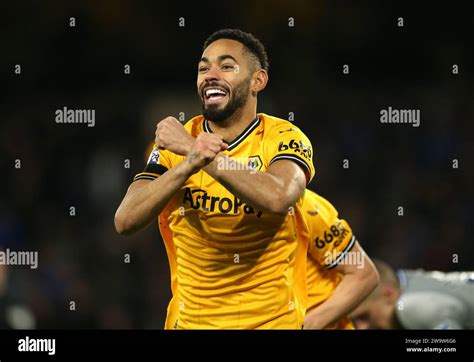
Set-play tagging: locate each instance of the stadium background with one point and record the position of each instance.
(81, 258)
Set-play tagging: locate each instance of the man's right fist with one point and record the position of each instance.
(172, 136)
(204, 150)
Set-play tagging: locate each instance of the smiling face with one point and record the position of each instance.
(225, 79)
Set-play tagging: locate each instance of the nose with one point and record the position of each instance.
(212, 74)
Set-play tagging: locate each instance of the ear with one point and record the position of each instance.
(260, 81)
(390, 293)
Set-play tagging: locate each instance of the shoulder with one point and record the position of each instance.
(318, 214)
(275, 125)
(194, 125)
(317, 207)
(424, 309)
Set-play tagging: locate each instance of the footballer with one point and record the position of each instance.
(339, 273)
(335, 283)
(237, 261)
(418, 299)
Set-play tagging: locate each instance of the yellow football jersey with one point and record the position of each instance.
(233, 266)
(329, 241)
(319, 218)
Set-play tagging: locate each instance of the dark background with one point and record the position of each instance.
(81, 258)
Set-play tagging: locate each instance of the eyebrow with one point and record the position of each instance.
(220, 58)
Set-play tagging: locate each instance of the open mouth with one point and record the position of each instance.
(214, 95)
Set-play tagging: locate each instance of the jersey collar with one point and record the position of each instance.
(237, 140)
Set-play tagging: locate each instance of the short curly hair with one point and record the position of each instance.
(251, 44)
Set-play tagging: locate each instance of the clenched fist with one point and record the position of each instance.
(170, 135)
(204, 149)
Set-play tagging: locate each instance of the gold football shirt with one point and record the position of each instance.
(234, 266)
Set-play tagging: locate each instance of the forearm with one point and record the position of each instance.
(261, 190)
(143, 204)
(348, 294)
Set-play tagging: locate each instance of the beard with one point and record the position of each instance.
(236, 101)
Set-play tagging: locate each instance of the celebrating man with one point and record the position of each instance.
(228, 188)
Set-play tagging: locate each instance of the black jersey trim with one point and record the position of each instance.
(343, 254)
(241, 137)
(298, 160)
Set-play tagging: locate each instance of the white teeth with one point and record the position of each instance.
(211, 92)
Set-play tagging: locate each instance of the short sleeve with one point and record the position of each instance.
(287, 142)
(158, 163)
(332, 243)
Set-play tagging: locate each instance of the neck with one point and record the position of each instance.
(235, 124)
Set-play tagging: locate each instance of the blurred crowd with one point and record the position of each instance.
(89, 276)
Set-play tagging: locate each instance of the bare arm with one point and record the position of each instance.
(145, 200)
(274, 190)
(357, 282)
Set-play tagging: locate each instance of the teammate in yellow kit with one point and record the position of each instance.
(339, 273)
(229, 185)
